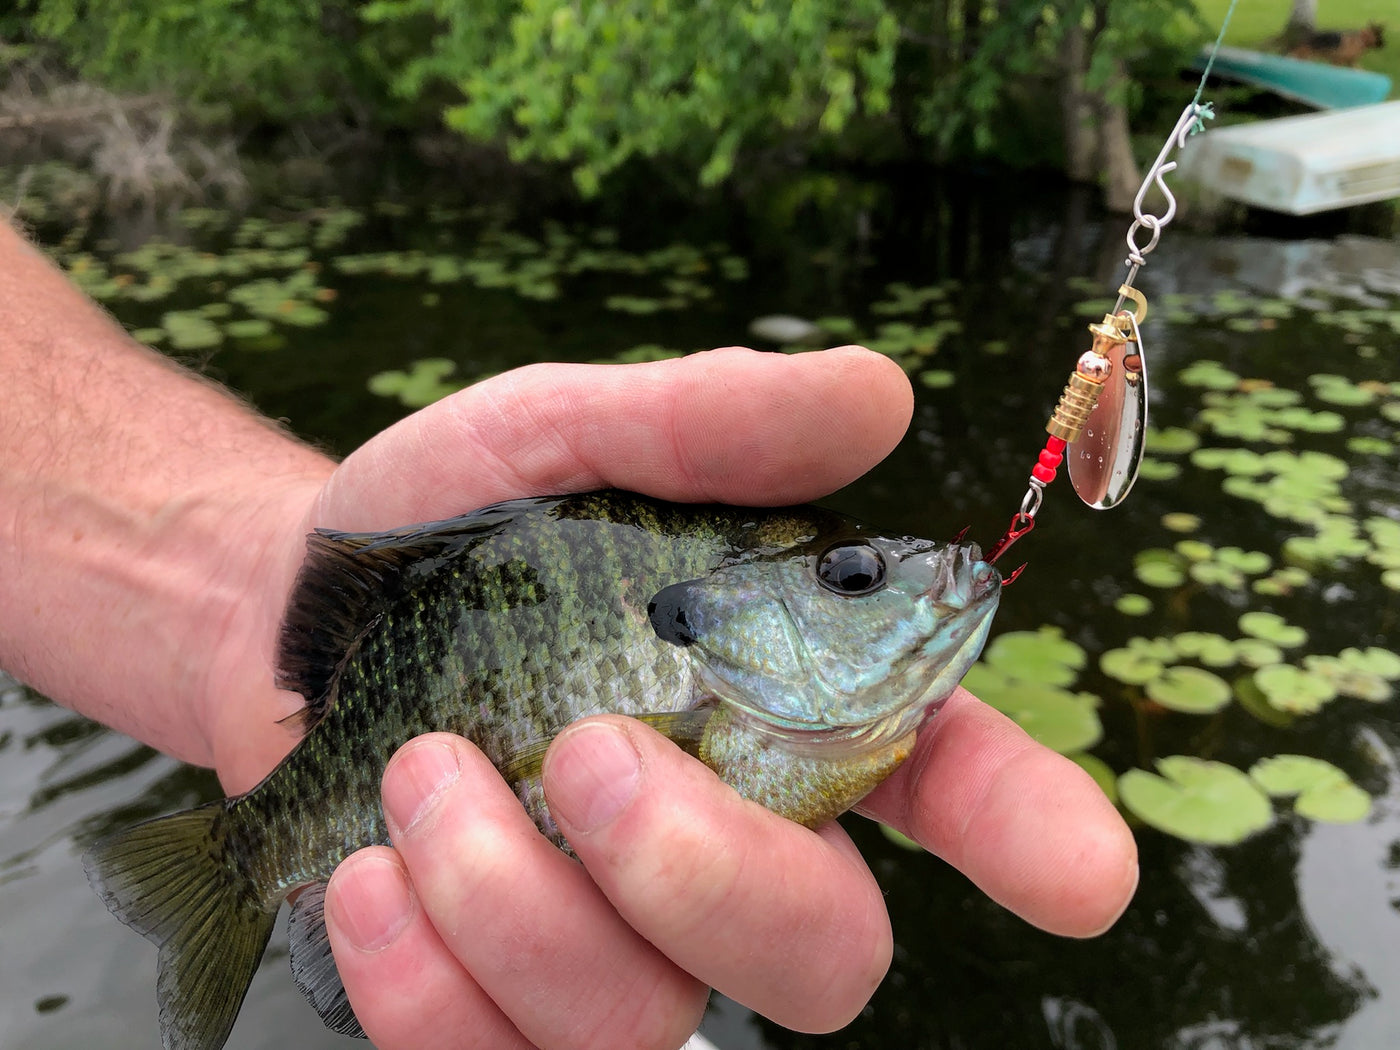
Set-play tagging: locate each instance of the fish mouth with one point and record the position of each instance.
(962, 579)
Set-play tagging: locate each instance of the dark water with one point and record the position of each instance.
(1287, 940)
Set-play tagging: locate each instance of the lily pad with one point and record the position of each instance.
(190, 330)
(1216, 574)
(1253, 700)
(1190, 690)
(1160, 649)
(937, 378)
(1294, 690)
(1284, 580)
(1194, 550)
(1130, 667)
(1377, 661)
(1159, 568)
(1210, 649)
(1100, 770)
(1209, 374)
(1060, 720)
(1323, 792)
(423, 384)
(1133, 604)
(1252, 563)
(1179, 521)
(1272, 628)
(1044, 656)
(1197, 800)
(900, 839)
(1150, 469)
(1364, 445)
(1255, 652)
(1347, 679)
(1172, 441)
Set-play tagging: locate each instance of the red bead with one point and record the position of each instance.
(1055, 444)
(1051, 459)
(1043, 473)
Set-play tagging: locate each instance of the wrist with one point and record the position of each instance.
(239, 705)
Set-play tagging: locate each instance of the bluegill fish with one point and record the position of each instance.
(794, 651)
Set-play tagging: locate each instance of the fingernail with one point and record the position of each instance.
(415, 780)
(591, 775)
(372, 902)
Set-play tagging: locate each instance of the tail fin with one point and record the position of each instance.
(172, 881)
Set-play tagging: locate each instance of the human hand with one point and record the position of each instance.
(475, 932)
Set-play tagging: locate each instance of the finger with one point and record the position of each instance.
(784, 920)
(1028, 826)
(521, 917)
(729, 425)
(408, 991)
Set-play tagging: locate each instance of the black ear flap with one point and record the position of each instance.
(669, 612)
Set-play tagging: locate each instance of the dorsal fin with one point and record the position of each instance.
(347, 581)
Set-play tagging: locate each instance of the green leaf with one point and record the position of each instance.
(1272, 628)
(425, 382)
(1294, 690)
(1190, 690)
(1097, 768)
(1348, 679)
(1251, 563)
(1133, 604)
(1213, 650)
(1043, 656)
(937, 378)
(1181, 522)
(1323, 791)
(189, 330)
(1375, 660)
(1255, 652)
(1197, 800)
(900, 839)
(1159, 568)
(1130, 667)
(1058, 719)
(1173, 441)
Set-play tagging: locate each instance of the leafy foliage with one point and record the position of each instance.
(276, 58)
(597, 83)
(593, 84)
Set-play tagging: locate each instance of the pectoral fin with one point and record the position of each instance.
(686, 729)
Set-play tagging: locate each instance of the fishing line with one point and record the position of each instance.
(1099, 426)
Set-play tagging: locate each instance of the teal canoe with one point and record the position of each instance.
(1313, 84)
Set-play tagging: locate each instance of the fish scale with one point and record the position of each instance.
(727, 628)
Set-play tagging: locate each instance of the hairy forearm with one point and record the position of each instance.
(145, 515)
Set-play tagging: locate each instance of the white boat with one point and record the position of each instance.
(1301, 165)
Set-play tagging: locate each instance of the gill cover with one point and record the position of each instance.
(840, 639)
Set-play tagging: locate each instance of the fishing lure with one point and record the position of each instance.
(1099, 425)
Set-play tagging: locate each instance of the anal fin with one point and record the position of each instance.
(313, 966)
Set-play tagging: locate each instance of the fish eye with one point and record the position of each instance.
(851, 569)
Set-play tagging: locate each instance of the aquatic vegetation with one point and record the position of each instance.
(1271, 627)
(1213, 802)
(1197, 799)
(1025, 675)
(937, 378)
(425, 382)
(1133, 604)
(1319, 789)
(1226, 567)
